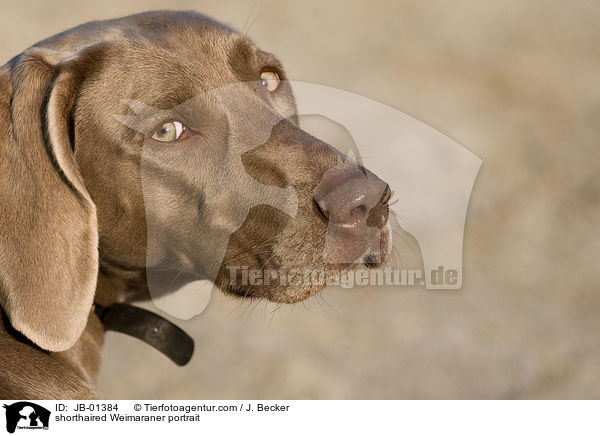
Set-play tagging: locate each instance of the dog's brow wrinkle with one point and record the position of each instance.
(201, 204)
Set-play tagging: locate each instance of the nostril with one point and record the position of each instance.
(379, 214)
(387, 194)
(321, 211)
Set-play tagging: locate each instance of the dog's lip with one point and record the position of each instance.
(370, 260)
(372, 244)
(262, 258)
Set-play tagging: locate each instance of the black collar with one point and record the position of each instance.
(149, 327)
(146, 326)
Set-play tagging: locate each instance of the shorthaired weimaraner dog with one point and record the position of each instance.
(74, 216)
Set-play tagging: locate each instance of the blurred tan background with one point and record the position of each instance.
(516, 83)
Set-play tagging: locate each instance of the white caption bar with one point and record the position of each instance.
(301, 417)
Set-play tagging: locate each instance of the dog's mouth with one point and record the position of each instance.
(274, 281)
(285, 262)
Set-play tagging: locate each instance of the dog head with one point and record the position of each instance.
(165, 144)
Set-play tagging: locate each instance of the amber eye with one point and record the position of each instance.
(169, 132)
(270, 80)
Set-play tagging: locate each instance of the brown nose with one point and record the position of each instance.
(349, 199)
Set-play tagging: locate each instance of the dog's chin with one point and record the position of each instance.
(287, 284)
(288, 294)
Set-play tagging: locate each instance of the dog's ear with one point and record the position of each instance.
(48, 229)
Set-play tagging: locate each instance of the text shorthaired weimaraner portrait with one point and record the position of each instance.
(74, 214)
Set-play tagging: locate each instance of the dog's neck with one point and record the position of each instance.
(146, 326)
(84, 356)
(117, 285)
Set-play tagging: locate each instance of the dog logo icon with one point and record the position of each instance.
(26, 415)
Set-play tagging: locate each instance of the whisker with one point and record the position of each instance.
(252, 310)
(322, 297)
(405, 239)
(248, 17)
(241, 303)
(252, 23)
(273, 314)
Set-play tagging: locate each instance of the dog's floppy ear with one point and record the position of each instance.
(48, 230)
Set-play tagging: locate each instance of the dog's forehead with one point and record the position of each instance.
(190, 61)
(193, 38)
(167, 45)
(163, 58)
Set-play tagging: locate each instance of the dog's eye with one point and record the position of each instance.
(269, 80)
(169, 132)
